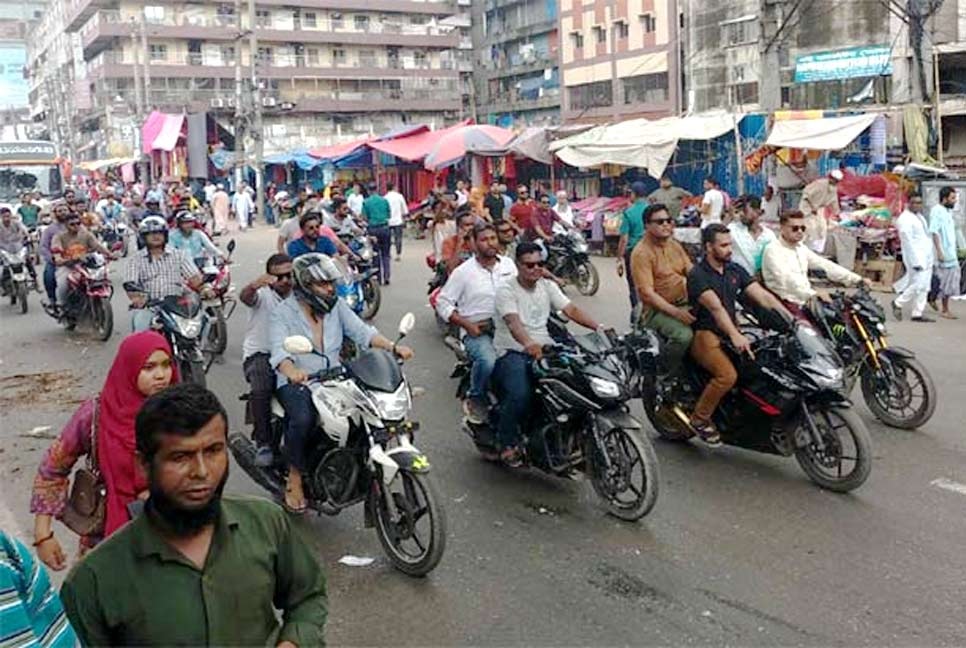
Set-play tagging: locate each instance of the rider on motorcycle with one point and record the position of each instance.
(159, 270)
(468, 300)
(523, 308)
(13, 237)
(786, 262)
(459, 247)
(72, 244)
(191, 240)
(319, 315)
(714, 286)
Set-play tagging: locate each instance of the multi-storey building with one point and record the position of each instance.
(16, 21)
(327, 69)
(516, 67)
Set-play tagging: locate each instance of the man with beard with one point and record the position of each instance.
(311, 239)
(196, 568)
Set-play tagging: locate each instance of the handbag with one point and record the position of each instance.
(86, 507)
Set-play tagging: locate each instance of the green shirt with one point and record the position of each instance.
(135, 589)
(28, 214)
(376, 211)
(632, 223)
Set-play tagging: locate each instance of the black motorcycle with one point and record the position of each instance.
(897, 387)
(568, 258)
(788, 401)
(579, 421)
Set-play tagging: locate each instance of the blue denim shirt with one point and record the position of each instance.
(288, 318)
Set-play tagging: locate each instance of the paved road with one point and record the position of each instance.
(741, 548)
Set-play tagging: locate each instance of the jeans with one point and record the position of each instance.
(677, 339)
(397, 236)
(300, 422)
(63, 287)
(631, 288)
(707, 352)
(483, 355)
(511, 376)
(50, 281)
(261, 380)
(141, 319)
(384, 245)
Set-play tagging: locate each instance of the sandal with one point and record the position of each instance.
(294, 510)
(948, 315)
(707, 432)
(511, 457)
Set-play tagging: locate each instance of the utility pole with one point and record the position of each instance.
(138, 105)
(147, 63)
(239, 117)
(770, 82)
(259, 133)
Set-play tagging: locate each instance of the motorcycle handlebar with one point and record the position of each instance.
(327, 374)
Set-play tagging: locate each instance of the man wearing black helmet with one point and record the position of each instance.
(157, 271)
(315, 312)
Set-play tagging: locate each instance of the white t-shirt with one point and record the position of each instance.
(397, 208)
(259, 316)
(770, 208)
(533, 307)
(461, 198)
(290, 230)
(714, 198)
(355, 203)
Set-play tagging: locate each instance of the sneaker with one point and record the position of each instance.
(475, 411)
(922, 318)
(897, 312)
(264, 457)
(707, 432)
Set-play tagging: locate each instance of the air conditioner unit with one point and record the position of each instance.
(217, 103)
(268, 101)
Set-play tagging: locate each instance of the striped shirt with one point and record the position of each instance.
(30, 610)
(161, 277)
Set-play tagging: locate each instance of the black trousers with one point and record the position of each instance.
(261, 379)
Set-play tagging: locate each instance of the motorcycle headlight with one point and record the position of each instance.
(352, 300)
(581, 246)
(366, 254)
(880, 327)
(187, 327)
(395, 406)
(604, 388)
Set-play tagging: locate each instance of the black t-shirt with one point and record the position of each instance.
(727, 285)
(495, 205)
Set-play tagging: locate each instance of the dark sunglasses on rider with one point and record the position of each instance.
(280, 277)
(533, 264)
(661, 221)
(797, 228)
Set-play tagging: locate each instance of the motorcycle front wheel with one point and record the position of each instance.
(586, 278)
(415, 536)
(193, 371)
(22, 298)
(373, 295)
(904, 397)
(845, 460)
(102, 317)
(217, 333)
(629, 485)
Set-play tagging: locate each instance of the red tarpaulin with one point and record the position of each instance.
(414, 147)
(336, 151)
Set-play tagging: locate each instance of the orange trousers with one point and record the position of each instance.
(707, 352)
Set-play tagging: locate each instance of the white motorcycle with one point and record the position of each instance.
(15, 282)
(363, 453)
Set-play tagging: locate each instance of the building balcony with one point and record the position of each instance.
(516, 66)
(78, 12)
(511, 102)
(424, 7)
(503, 32)
(112, 65)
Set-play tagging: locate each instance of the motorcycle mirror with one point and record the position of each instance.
(406, 324)
(231, 246)
(297, 345)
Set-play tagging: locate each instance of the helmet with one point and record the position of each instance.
(313, 268)
(186, 217)
(153, 225)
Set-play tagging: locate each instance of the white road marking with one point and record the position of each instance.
(950, 485)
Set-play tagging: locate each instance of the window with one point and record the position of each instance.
(263, 18)
(338, 57)
(621, 30)
(600, 36)
(745, 93)
(310, 20)
(646, 88)
(591, 95)
(157, 52)
(367, 58)
(649, 23)
(265, 55)
(153, 14)
(578, 39)
(312, 55)
(419, 58)
(361, 23)
(227, 54)
(740, 33)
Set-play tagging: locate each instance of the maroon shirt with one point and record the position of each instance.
(521, 213)
(543, 217)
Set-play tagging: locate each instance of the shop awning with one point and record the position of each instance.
(336, 151)
(824, 134)
(413, 147)
(300, 158)
(473, 138)
(161, 132)
(98, 165)
(639, 142)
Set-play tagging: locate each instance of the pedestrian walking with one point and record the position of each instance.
(632, 231)
(220, 206)
(669, 196)
(243, 206)
(398, 210)
(943, 230)
(713, 203)
(376, 212)
(917, 257)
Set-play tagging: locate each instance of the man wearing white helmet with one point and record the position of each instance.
(156, 272)
(192, 241)
(820, 201)
(315, 312)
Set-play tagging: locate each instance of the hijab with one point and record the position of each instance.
(119, 403)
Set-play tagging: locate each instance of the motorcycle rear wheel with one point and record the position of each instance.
(820, 465)
(102, 317)
(22, 298)
(626, 450)
(373, 294)
(394, 534)
(586, 278)
(893, 405)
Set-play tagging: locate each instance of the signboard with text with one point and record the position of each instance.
(852, 63)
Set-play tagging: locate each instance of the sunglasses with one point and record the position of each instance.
(533, 264)
(661, 221)
(280, 277)
(797, 228)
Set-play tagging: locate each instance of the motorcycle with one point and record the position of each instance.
(897, 387)
(568, 258)
(15, 282)
(363, 453)
(446, 329)
(88, 297)
(219, 305)
(579, 421)
(360, 288)
(787, 401)
(182, 321)
(114, 235)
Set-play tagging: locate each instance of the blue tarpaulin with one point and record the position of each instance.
(299, 158)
